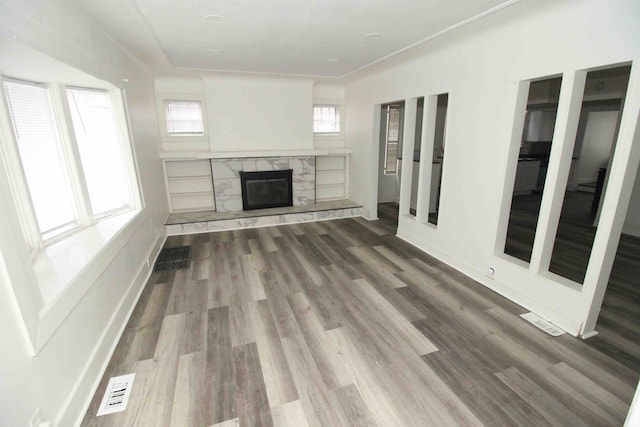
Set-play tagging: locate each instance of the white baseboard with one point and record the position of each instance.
(79, 399)
(569, 325)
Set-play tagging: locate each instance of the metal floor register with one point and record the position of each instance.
(173, 259)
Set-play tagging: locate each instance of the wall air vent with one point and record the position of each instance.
(117, 394)
(540, 323)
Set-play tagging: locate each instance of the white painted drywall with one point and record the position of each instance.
(596, 145)
(480, 65)
(632, 220)
(633, 417)
(246, 113)
(59, 379)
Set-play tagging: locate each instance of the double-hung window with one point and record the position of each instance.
(42, 157)
(97, 135)
(70, 154)
(392, 139)
(184, 117)
(326, 119)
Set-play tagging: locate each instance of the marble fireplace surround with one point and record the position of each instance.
(226, 179)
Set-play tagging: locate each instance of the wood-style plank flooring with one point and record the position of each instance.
(339, 323)
(619, 321)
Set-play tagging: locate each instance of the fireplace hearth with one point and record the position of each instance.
(266, 189)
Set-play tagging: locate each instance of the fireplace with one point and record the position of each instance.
(266, 189)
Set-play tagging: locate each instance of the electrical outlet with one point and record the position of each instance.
(36, 418)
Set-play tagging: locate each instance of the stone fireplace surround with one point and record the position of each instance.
(226, 179)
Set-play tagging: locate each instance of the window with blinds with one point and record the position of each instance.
(326, 119)
(184, 118)
(42, 156)
(392, 139)
(100, 149)
(70, 166)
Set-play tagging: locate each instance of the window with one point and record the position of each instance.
(392, 138)
(100, 150)
(439, 141)
(66, 182)
(326, 119)
(41, 155)
(184, 118)
(535, 141)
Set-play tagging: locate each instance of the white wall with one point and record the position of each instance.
(480, 65)
(632, 220)
(60, 377)
(259, 113)
(596, 145)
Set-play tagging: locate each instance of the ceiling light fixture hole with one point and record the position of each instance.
(216, 19)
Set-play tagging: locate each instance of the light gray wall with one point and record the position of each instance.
(480, 66)
(59, 379)
(632, 220)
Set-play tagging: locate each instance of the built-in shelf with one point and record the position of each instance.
(190, 155)
(189, 184)
(198, 222)
(331, 178)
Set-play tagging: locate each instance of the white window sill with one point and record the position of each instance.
(67, 270)
(59, 264)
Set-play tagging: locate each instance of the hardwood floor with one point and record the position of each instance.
(340, 323)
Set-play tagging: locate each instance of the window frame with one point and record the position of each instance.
(128, 162)
(387, 141)
(166, 103)
(181, 138)
(61, 114)
(339, 121)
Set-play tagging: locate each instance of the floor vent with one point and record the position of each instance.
(540, 323)
(117, 394)
(173, 259)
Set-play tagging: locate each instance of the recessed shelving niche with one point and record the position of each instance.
(190, 185)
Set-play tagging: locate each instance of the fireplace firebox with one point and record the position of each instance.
(266, 189)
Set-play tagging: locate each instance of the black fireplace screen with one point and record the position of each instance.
(266, 189)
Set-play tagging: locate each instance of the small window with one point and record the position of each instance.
(393, 115)
(184, 118)
(42, 157)
(326, 119)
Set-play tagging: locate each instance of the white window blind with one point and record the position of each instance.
(392, 140)
(41, 155)
(184, 118)
(326, 119)
(100, 150)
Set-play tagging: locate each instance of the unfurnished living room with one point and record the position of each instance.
(319, 213)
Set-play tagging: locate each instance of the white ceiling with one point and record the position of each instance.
(322, 38)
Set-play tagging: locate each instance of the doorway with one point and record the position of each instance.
(390, 149)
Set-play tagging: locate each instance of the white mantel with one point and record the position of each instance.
(193, 155)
